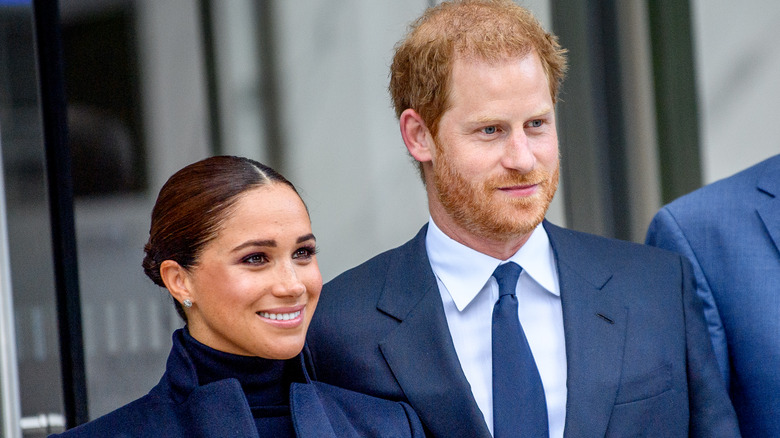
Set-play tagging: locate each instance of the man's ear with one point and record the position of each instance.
(416, 136)
(176, 280)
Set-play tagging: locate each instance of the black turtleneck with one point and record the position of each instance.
(266, 383)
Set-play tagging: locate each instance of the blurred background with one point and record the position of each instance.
(662, 97)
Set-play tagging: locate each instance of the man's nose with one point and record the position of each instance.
(518, 154)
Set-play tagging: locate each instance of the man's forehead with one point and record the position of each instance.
(475, 59)
(467, 67)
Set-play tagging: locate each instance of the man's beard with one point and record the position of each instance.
(476, 206)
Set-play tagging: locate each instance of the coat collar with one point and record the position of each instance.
(198, 402)
(308, 415)
(201, 418)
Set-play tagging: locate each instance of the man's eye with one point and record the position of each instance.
(535, 123)
(489, 130)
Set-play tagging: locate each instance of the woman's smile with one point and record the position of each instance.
(284, 317)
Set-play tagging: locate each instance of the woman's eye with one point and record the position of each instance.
(489, 130)
(304, 253)
(256, 259)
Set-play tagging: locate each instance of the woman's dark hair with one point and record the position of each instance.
(193, 204)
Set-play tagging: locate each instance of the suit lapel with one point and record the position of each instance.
(594, 322)
(769, 183)
(420, 351)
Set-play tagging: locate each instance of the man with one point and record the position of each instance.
(618, 344)
(730, 230)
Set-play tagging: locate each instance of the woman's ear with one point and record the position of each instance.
(416, 135)
(176, 280)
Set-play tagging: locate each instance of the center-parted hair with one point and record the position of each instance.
(192, 206)
(482, 30)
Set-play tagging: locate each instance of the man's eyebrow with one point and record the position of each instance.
(481, 120)
(543, 112)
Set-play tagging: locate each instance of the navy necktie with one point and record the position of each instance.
(519, 407)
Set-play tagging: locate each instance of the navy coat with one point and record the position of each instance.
(639, 360)
(178, 407)
(730, 230)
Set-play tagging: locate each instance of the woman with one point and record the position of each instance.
(231, 240)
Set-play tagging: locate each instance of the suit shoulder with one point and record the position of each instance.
(607, 251)
(731, 192)
(594, 242)
(366, 270)
(374, 270)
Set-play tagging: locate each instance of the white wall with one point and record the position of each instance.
(738, 66)
(175, 113)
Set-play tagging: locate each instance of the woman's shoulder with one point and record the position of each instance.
(148, 416)
(349, 412)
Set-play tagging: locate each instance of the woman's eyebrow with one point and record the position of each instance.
(248, 243)
(309, 236)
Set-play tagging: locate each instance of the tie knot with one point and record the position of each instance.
(506, 276)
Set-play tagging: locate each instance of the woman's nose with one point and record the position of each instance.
(287, 281)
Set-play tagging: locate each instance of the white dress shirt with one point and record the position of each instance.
(468, 292)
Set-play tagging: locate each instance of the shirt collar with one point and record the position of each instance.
(464, 271)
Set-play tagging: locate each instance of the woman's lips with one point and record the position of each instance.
(285, 317)
(280, 316)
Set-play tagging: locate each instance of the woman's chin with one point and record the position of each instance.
(283, 351)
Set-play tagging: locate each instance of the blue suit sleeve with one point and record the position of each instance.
(711, 412)
(665, 232)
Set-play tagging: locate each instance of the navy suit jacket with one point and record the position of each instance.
(179, 407)
(730, 230)
(639, 358)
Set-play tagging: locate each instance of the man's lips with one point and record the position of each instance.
(520, 189)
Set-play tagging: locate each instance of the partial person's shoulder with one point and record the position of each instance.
(729, 192)
(135, 419)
